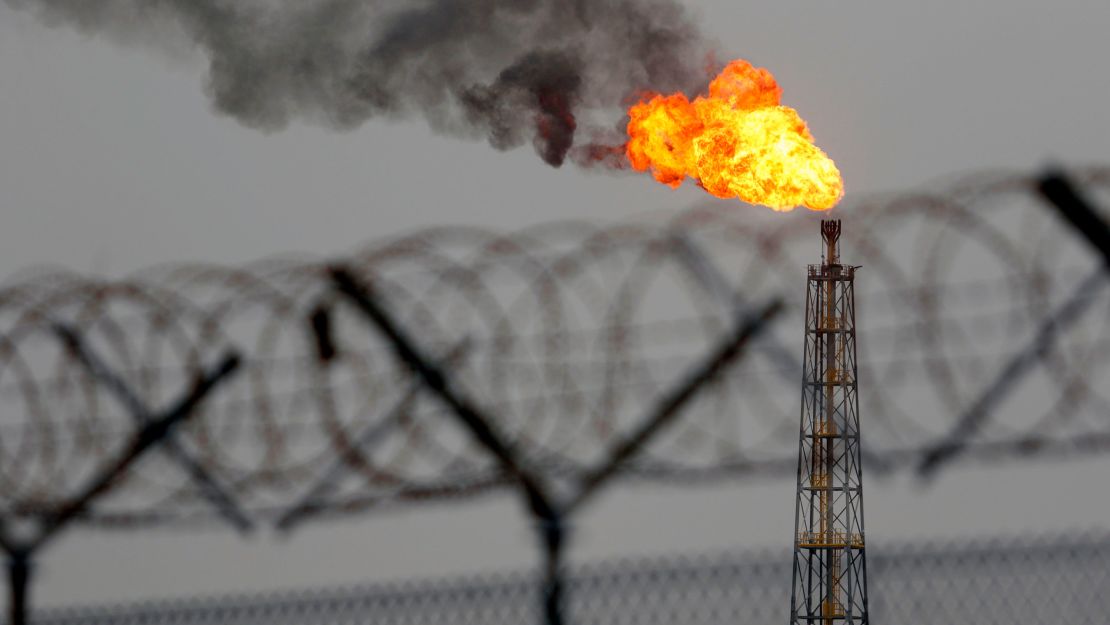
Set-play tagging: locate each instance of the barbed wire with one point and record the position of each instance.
(566, 332)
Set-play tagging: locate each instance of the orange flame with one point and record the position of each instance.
(737, 142)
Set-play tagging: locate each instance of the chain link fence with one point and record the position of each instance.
(1061, 580)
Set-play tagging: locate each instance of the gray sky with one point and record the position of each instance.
(111, 159)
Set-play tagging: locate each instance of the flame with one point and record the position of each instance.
(737, 142)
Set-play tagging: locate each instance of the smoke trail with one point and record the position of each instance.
(511, 71)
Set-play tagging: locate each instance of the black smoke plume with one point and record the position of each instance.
(511, 71)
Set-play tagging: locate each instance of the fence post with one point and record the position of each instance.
(553, 536)
(19, 573)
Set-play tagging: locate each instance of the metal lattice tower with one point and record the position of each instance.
(830, 571)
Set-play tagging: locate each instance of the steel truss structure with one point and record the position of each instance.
(830, 569)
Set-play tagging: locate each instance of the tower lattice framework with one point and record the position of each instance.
(830, 570)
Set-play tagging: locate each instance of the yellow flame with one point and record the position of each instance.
(736, 142)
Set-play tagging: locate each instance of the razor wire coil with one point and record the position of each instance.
(565, 332)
